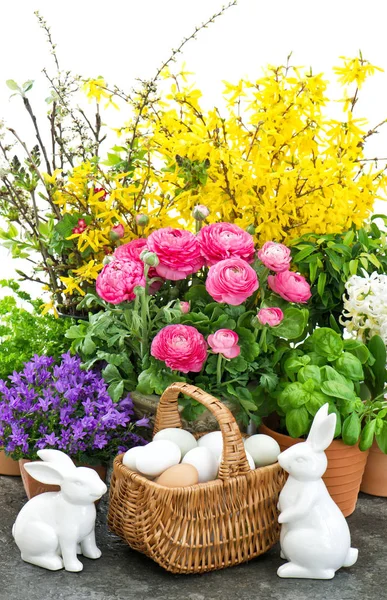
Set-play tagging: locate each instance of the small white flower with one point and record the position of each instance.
(365, 306)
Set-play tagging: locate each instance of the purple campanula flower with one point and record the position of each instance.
(65, 407)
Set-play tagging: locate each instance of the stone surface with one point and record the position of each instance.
(124, 574)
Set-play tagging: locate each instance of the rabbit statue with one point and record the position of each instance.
(52, 528)
(315, 538)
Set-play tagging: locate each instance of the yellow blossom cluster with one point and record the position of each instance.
(272, 159)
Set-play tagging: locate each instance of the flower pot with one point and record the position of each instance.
(374, 480)
(147, 405)
(34, 488)
(345, 469)
(8, 466)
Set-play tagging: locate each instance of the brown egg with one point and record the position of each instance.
(179, 476)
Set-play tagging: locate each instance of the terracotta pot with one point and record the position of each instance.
(345, 469)
(374, 480)
(8, 466)
(147, 406)
(34, 488)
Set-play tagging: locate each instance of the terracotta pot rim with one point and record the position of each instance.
(336, 445)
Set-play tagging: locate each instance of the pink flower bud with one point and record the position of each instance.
(270, 316)
(200, 212)
(76, 230)
(142, 220)
(224, 341)
(117, 232)
(185, 307)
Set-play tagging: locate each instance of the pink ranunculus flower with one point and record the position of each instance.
(117, 280)
(131, 251)
(224, 341)
(290, 286)
(185, 307)
(270, 316)
(181, 347)
(117, 232)
(275, 257)
(225, 240)
(231, 281)
(178, 252)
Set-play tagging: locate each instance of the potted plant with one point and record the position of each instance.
(196, 308)
(25, 331)
(365, 317)
(59, 405)
(328, 368)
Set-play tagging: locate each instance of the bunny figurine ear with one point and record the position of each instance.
(323, 429)
(56, 456)
(45, 473)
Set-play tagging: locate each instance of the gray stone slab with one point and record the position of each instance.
(124, 574)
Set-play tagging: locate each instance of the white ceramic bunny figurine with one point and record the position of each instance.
(52, 528)
(315, 538)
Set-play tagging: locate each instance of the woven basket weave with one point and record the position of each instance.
(206, 526)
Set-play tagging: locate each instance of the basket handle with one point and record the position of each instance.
(234, 461)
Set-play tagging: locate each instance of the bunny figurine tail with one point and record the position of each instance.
(315, 538)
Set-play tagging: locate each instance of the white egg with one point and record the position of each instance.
(157, 456)
(213, 441)
(263, 448)
(204, 461)
(184, 439)
(249, 460)
(129, 459)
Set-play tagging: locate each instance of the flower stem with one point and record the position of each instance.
(262, 341)
(219, 369)
(144, 318)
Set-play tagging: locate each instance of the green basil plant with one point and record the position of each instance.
(347, 374)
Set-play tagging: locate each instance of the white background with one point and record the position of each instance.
(125, 39)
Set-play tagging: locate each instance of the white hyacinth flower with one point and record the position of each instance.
(365, 306)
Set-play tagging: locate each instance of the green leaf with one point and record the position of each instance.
(327, 342)
(367, 435)
(337, 390)
(328, 373)
(333, 324)
(309, 372)
(88, 345)
(353, 266)
(12, 85)
(351, 429)
(315, 402)
(381, 438)
(358, 349)
(111, 373)
(322, 278)
(299, 257)
(378, 349)
(198, 292)
(298, 422)
(293, 364)
(349, 366)
(236, 365)
(293, 324)
(115, 390)
(249, 347)
(293, 395)
(246, 399)
(269, 381)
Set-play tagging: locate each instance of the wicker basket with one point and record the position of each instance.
(206, 526)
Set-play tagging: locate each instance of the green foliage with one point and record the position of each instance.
(25, 332)
(117, 339)
(346, 374)
(327, 261)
